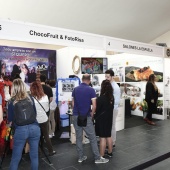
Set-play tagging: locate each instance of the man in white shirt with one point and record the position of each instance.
(109, 74)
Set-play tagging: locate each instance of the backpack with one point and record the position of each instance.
(24, 113)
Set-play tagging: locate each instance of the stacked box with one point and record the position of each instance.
(64, 119)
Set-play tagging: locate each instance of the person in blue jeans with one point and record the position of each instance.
(82, 98)
(28, 132)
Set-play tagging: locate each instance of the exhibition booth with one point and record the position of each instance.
(59, 53)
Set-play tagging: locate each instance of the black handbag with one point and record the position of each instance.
(81, 119)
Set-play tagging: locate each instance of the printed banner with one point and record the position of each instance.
(24, 62)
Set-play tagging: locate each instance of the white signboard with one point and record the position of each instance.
(113, 44)
(49, 35)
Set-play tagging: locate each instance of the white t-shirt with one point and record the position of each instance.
(41, 114)
(53, 104)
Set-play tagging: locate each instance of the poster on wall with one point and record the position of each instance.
(143, 69)
(24, 62)
(65, 88)
(130, 90)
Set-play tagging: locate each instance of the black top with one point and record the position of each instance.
(151, 93)
(48, 91)
(103, 117)
(16, 70)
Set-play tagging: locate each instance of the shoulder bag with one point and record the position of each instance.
(41, 106)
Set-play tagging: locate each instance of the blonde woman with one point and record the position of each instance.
(25, 129)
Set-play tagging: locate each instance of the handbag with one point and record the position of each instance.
(81, 119)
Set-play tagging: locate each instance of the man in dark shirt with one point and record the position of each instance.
(82, 98)
(16, 69)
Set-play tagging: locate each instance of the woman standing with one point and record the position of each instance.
(26, 132)
(42, 106)
(151, 98)
(104, 115)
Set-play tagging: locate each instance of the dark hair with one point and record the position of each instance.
(26, 68)
(52, 83)
(111, 72)
(107, 90)
(47, 82)
(86, 77)
(43, 78)
(152, 77)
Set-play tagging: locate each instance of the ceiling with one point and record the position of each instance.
(137, 20)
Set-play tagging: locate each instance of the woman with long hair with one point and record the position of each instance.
(42, 106)
(24, 73)
(27, 131)
(151, 98)
(103, 117)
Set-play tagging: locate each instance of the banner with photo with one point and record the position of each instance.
(24, 62)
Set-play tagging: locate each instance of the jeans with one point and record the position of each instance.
(22, 133)
(89, 129)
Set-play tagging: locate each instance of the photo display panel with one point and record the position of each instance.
(91, 65)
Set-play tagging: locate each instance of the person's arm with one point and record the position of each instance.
(10, 111)
(93, 107)
(72, 102)
(51, 99)
(51, 95)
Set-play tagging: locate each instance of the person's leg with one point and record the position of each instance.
(109, 144)
(79, 138)
(149, 115)
(20, 136)
(33, 140)
(89, 129)
(44, 130)
(115, 113)
(102, 146)
(52, 121)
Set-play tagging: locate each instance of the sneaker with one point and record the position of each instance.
(53, 153)
(82, 159)
(109, 154)
(53, 134)
(50, 136)
(101, 160)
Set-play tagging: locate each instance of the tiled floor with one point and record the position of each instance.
(134, 146)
